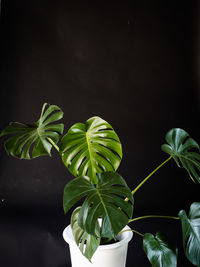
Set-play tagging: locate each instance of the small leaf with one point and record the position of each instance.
(191, 233)
(31, 140)
(105, 200)
(159, 251)
(184, 150)
(91, 148)
(87, 243)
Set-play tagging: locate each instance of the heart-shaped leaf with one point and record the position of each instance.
(159, 250)
(31, 140)
(91, 148)
(87, 243)
(191, 233)
(104, 200)
(184, 150)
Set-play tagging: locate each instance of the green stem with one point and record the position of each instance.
(135, 190)
(53, 144)
(132, 230)
(154, 216)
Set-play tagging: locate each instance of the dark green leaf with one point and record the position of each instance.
(91, 148)
(184, 150)
(105, 200)
(87, 243)
(191, 233)
(31, 140)
(159, 251)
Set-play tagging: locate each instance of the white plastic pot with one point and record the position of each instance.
(112, 255)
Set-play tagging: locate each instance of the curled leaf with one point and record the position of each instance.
(184, 150)
(31, 140)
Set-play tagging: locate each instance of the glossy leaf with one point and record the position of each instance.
(91, 148)
(87, 243)
(184, 150)
(191, 233)
(159, 251)
(31, 140)
(104, 200)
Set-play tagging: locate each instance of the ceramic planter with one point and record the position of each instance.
(112, 255)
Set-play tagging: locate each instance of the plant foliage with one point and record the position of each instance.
(191, 233)
(87, 243)
(92, 152)
(31, 140)
(104, 200)
(91, 148)
(159, 250)
(184, 150)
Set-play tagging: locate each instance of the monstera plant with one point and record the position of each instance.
(92, 152)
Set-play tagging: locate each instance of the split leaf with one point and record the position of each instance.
(87, 243)
(104, 200)
(91, 148)
(31, 140)
(184, 150)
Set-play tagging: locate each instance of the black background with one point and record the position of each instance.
(136, 65)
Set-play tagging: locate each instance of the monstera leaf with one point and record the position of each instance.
(91, 148)
(191, 233)
(31, 140)
(184, 150)
(159, 251)
(104, 200)
(87, 243)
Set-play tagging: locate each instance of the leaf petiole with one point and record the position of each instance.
(132, 230)
(135, 190)
(154, 216)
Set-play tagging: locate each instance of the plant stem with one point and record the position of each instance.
(154, 216)
(54, 144)
(132, 231)
(135, 190)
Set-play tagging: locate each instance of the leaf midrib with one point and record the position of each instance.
(38, 132)
(103, 204)
(90, 155)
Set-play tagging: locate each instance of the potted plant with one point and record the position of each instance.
(92, 152)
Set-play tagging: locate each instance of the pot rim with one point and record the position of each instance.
(124, 238)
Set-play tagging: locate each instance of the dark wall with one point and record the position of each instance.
(135, 65)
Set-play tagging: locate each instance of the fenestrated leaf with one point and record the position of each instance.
(191, 233)
(91, 148)
(159, 250)
(31, 140)
(104, 200)
(87, 243)
(184, 150)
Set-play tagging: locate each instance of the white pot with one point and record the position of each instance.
(112, 255)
